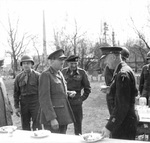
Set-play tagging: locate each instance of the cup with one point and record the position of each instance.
(142, 101)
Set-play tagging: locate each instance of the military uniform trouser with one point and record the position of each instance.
(29, 111)
(78, 114)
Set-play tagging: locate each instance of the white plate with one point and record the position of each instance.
(6, 129)
(40, 133)
(91, 137)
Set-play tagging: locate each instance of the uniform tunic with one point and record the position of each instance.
(123, 121)
(26, 97)
(144, 85)
(76, 81)
(53, 99)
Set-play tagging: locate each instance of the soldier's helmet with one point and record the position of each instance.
(26, 58)
(148, 55)
(125, 53)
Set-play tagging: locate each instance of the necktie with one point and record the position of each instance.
(26, 78)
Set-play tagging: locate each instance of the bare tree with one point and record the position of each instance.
(76, 38)
(18, 46)
(140, 34)
(34, 41)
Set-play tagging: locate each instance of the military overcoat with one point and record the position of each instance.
(7, 105)
(123, 121)
(53, 98)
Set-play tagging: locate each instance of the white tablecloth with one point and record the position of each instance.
(20, 136)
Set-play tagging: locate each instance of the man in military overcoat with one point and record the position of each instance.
(122, 123)
(56, 112)
(6, 110)
(108, 74)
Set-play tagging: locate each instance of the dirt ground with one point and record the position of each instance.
(94, 108)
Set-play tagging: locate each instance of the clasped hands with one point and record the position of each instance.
(71, 93)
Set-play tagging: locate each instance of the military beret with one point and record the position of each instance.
(72, 58)
(110, 50)
(58, 54)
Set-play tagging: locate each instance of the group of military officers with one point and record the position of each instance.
(54, 98)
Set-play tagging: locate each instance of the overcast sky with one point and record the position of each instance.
(89, 14)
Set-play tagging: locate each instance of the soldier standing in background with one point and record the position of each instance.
(26, 94)
(144, 85)
(5, 105)
(77, 80)
(125, 54)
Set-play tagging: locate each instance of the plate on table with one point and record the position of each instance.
(40, 133)
(91, 137)
(6, 129)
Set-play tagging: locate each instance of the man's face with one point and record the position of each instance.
(73, 65)
(109, 61)
(58, 63)
(27, 65)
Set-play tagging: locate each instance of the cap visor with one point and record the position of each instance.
(62, 57)
(102, 57)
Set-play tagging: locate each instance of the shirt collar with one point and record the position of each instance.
(75, 71)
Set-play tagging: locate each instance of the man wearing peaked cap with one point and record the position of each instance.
(56, 112)
(109, 50)
(122, 123)
(58, 54)
(108, 74)
(72, 58)
(77, 80)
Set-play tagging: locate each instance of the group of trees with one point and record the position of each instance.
(77, 43)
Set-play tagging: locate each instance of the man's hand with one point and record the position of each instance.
(55, 124)
(105, 132)
(71, 93)
(17, 111)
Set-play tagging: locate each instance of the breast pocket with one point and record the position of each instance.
(33, 82)
(22, 83)
(77, 81)
(57, 87)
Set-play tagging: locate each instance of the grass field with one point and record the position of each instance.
(94, 108)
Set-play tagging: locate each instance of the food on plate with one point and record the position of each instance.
(6, 129)
(41, 133)
(90, 137)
